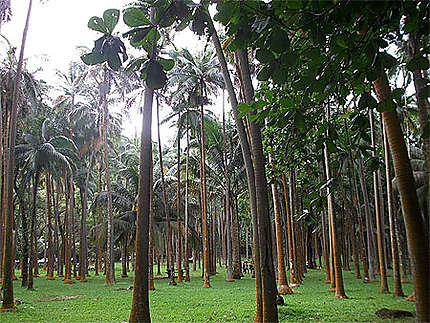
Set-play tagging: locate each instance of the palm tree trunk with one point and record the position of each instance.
(369, 225)
(140, 302)
(24, 241)
(8, 302)
(206, 282)
(379, 229)
(246, 154)
(340, 292)
(68, 230)
(397, 290)
(50, 274)
(178, 206)
(415, 226)
(99, 211)
(186, 247)
(169, 251)
(151, 227)
(229, 260)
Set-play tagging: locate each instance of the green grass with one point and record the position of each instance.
(188, 302)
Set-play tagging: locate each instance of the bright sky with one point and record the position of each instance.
(57, 27)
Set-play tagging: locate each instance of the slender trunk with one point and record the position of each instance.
(24, 240)
(99, 211)
(340, 292)
(8, 302)
(283, 287)
(237, 270)
(169, 251)
(397, 290)
(68, 231)
(369, 225)
(246, 154)
(186, 247)
(379, 229)
(33, 248)
(206, 282)
(178, 206)
(140, 302)
(415, 226)
(229, 262)
(151, 227)
(50, 274)
(268, 283)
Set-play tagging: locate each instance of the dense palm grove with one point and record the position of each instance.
(320, 159)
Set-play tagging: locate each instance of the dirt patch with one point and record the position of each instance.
(61, 298)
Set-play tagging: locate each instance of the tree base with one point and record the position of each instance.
(358, 276)
(327, 281)
(340, 297)
(331, 290)
(384, 291)
(68, 281)
(172, 283)
(230, 280)
(83, 280)
(8, 308)
(206, 285)
(411, 298)
(284, 290)
(124, 276)
(50, 278)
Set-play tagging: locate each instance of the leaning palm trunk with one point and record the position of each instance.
(415, 227)
(246, 154)
(8, 298)
(140, 302)
(268, 283)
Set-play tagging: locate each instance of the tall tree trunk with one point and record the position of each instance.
(50, 274)
(268, 283)
(186, 247)
(24, 241)
(8, 302)
(379, 229)
(283, 287)
(68, 230)
(140, 302)
(99, 221)
(369, 225)
(151, 227)
(235, 250)
(228, 217)
(169, 249)
(340, 292)
(33, 248)
(415, 226)
(205, 231)
(246, 154)
(110, 268)
(178, 206)
(397, 290)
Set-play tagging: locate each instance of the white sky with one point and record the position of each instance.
(57, 27)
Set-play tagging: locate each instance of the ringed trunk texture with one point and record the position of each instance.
(415, 226)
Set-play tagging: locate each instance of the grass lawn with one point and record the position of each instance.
(188, 302)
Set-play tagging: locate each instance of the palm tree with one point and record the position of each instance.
(5, 11)
(8, 298)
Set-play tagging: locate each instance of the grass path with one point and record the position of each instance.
(188, 302)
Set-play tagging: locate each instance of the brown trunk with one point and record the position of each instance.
(140, 302)
(379, 229)
(186, 233)
(340, 292)
(169, 251)
(8, 298)
(246, 154)
(178, 206)
(415, 226)
(397, 290)
(50, 273)
(151, 228)
(283, 287)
